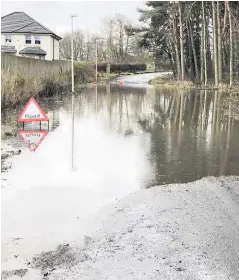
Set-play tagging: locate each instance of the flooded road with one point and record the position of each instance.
(119, 140)
(141, 79)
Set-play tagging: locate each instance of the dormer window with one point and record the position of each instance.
(8, 38)
(37, 40)
(28, 39)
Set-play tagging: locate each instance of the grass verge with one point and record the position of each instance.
(171, 83)
(168, 82)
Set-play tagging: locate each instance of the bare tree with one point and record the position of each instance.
(117, 38)
(118, 43)
(79, 46)
(65, 47)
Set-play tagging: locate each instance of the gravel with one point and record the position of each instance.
(179, 231)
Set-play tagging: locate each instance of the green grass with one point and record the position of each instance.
(170, 83)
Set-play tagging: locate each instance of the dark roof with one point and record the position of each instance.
(19, 22)
(8, 49)
(33, 50)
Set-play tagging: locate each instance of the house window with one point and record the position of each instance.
(28, 39)
(37, 40)
(8, 38)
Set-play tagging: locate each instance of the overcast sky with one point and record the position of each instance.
(55, 15)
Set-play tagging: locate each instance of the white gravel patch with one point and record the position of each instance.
(180, 231)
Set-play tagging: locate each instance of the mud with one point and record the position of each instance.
(64, 257)
(16, 272)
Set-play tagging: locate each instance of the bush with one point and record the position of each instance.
(17, 88)
(124, 67)
(20, 81)
(84, 72)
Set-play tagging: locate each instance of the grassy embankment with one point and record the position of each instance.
(230, 104)
(84, 73)
(170, 82)
(17, 88)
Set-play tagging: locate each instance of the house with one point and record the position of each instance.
(21, 35)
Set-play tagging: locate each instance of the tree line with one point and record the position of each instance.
(200, 39)
(115, 45)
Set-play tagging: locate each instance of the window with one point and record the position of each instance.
(28, 39)
(8, 38)
(37, 40)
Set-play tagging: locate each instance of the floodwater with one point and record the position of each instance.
(117, 140)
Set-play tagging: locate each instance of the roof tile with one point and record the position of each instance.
(33, 50)
(19, 22)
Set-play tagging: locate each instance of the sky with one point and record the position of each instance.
(56, 15)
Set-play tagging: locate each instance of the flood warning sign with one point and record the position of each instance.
(32, 112)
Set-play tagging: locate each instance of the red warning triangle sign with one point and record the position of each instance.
(32, 112)
(33, 138)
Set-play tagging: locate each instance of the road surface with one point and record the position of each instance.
(140, 79)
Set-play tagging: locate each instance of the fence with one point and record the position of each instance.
(33, 67)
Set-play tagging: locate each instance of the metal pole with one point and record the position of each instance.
(96, 57)
(72, 136)
(73, 90)
(72, 60)
(96, 100)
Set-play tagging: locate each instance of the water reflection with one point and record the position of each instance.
(32, 138)
(184, 135)
(124, 139)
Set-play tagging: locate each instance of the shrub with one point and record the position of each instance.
(17, 88)
(20, 81)
(84, 72)
(124, 67)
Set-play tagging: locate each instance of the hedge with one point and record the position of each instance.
(121, 67)
(84, 72)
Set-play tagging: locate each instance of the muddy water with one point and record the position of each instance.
(118, 140)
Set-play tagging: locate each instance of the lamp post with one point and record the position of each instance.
(72, 54)
(96, 58)
(72, 89)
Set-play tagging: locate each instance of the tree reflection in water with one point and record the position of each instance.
(184, 133)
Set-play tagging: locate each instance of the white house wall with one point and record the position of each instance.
(56, 49)
(2, 40)
(47, 46)
(18, 40)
